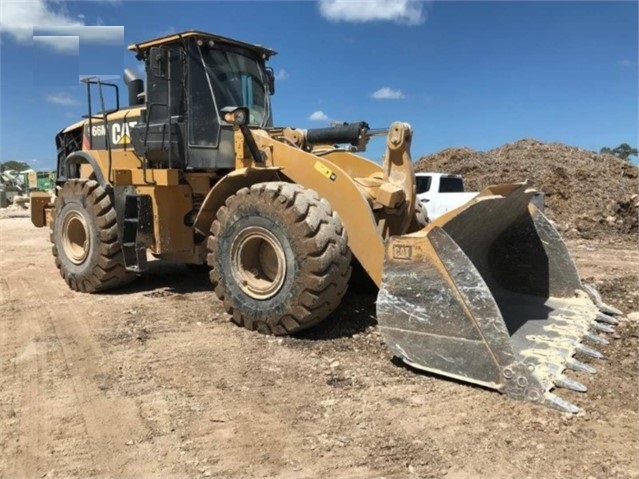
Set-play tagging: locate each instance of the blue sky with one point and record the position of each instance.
(477, 74)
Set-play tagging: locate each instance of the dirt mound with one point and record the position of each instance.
(587, 195)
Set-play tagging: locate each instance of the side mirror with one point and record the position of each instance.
(159, 62)
(236, 115)
(270, 74)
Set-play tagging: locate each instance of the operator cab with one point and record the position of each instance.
(191, 77)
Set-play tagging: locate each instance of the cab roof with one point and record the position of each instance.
(140, 47)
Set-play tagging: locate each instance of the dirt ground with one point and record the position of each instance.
(153, 381)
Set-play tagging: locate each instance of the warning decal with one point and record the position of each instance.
(325, 170)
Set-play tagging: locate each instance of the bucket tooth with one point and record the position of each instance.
(585, 350)
(604, 328)
(604, 318)
(562, 405)
(596, 298)
(575, 365)
(606, 308)
(567, 383)
(594, 338)
(592, 292)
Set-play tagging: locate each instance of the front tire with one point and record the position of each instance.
(279, 258)
(85, 238)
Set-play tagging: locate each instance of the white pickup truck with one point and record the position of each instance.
(440, 192)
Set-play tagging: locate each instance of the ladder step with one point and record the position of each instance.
(139, 262)
(136, 230)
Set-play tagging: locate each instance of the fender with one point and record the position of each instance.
(228, 186)
(77, 158)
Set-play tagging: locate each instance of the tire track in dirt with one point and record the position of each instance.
(29, 364)
(109, 421)
(8, 379)
(36, 368)
(22, 367)
(59, 378)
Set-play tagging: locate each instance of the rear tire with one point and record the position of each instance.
(85, 238)
(279, 258)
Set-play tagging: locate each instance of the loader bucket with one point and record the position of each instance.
(489, 294)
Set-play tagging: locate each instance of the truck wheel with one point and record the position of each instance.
(279, 258)
(85, 238)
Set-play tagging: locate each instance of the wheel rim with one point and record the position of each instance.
(258, 262)
(75, 237)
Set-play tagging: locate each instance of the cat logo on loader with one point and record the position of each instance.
(120, 133)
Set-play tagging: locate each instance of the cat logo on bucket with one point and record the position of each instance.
(120, 133)
(402, 251)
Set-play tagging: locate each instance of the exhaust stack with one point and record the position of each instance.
(135, 85)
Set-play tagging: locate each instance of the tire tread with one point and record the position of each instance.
(108, 272)
(326, 256)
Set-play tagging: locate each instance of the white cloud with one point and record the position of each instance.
(17, 19)
(625, 63)
(61, 44)
(281, 75)
(387, 93)
(409, 12)
(21, 20)
(318, 116)
(62, 99)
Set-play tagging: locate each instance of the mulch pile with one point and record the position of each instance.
(588, 195)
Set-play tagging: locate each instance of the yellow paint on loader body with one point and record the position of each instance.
(170, 206)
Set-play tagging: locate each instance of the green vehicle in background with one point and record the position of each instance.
(15, 186)
(39, 180)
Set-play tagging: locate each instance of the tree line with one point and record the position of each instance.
(623, 151)
(14, 165)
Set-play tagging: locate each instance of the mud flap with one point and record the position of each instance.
(489, 294)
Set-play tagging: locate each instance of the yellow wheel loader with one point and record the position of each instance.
(193, 170)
